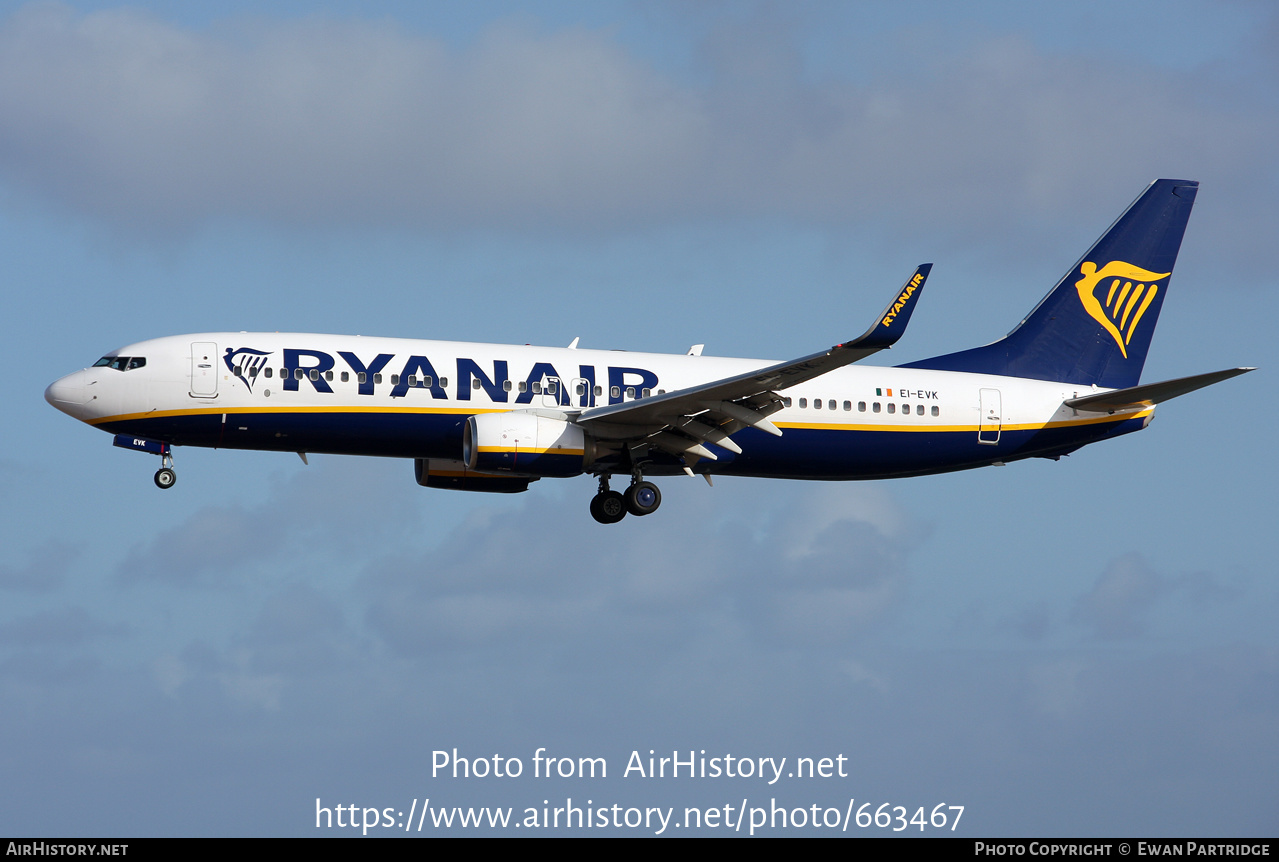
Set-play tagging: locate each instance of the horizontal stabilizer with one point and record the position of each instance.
(1151, 393)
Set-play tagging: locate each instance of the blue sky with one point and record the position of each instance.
(1084, 647)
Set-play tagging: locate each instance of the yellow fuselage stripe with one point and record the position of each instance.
(468, 411)
(530, 450)
(216, 411)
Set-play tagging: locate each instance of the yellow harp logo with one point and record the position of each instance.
(1129, 293)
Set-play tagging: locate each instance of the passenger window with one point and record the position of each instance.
(377, 378)
(630, 391)
(475, 383)
(936, 412)
(346, 376)
(599, 390)
(861, 406)
(524, 386)
(831, 404)
(267, 373)
(817, 404)
(537, 387)
(427, 381)
(506, 386)
(411, 380)
(892, 408)
(615, 392)
(848, 406)
(360, 377)
(315, 374)
(875, 407)
(444, 382)
(253, 372)
(328, 375)
(645, 393)
(803, 402)
(787, 402)
(238, 371)
(297, 373)
(580, 389)
(919, 409)
(552, 386)
(395, 380)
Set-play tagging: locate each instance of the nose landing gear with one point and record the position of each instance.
(641, 498)
(165, 477)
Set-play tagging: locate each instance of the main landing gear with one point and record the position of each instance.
(641, 498)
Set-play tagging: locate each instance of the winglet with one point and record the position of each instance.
(891, 324)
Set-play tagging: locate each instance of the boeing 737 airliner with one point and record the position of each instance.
(486, 417)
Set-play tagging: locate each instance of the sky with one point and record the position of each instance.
(1075, 648)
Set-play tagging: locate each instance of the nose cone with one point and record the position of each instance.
(70, 394)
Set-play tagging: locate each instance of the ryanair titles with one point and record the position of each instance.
(910, 288)
(543, 384)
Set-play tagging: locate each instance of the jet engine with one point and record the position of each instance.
(527, 443)
(440, 473)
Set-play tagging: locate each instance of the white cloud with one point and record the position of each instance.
(140, 122)
(44, 572)
(529, 579)
(66, 627)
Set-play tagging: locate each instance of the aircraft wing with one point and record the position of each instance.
(680, 421)
(1150, 393)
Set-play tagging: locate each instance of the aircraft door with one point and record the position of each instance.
(204, 371)
(551, 392)
(581, 393)
(990, 421)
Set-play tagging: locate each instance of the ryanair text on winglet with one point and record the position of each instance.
(901, 300)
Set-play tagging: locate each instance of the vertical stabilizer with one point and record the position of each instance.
(1095, 326)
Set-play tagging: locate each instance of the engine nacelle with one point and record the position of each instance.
(525, 442)
(437, 473)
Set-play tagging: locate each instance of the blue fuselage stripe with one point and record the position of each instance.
(801, 453)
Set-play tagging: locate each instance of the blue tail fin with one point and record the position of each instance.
(1095, 326)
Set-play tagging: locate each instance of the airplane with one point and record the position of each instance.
(488, 417)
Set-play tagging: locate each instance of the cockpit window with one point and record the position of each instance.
(121, 363)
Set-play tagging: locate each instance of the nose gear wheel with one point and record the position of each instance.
(165, 477)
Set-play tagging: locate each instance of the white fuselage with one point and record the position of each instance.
(409, 398)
